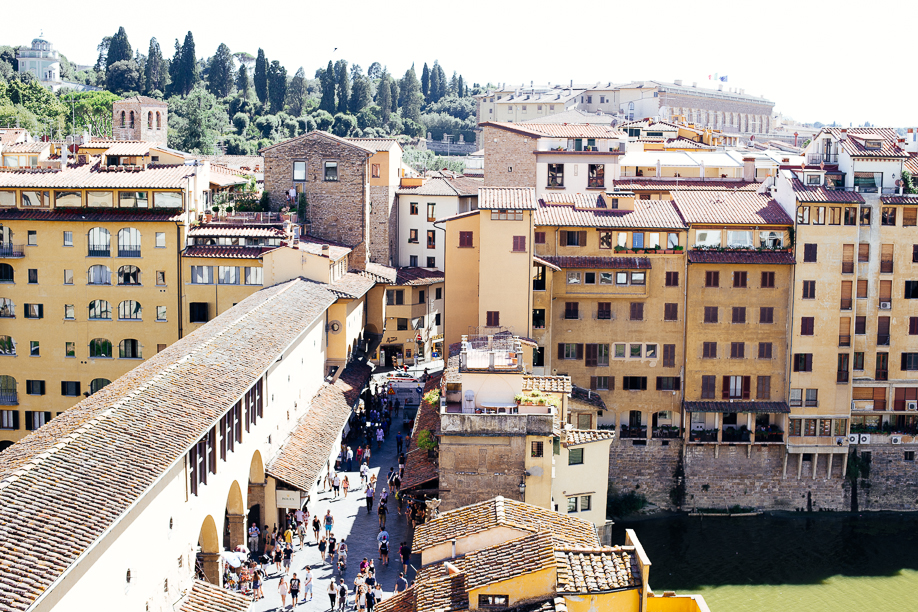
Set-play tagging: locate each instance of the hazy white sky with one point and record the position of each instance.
(818, 61)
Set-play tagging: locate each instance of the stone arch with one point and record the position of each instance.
(209, 555)
(257, 468)
(234, 532)
(123, 118)
(256, 493)
(149, 120)
(132, 119)
(371, 330)
(159, 124)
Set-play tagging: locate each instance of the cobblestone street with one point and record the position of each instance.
(357, 528)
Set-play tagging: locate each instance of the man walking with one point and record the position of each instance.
(398, 442)
(370, 494)
(400, 583)
(329, 522)
(294, 589)
(350, 458)
(336, 484)
(364, 471)
(382, 514)
(383, 536)
(253, 538)
(307, 585)
(405, 552)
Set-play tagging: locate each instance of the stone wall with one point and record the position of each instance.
(476, 470)
(890, 482)
(337, 210)
(510, 161)
(142, 130)
(382, 224)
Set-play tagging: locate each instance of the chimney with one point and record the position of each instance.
(749, 169)
(451, 569)
(694, 83)
(678, 82)
(720, 87)
(65, 151)
(453, 542)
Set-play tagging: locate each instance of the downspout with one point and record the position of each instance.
(685, 426)
(443, 306)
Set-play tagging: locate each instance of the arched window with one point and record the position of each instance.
(100, 309)
(100, 348)
(150, 120)
(129, 310)
(7, 346)
(128, 275)
(100, 242)
(8, 395)
(123, 118)
(7, 308)
(159, 124)
(99, 275)
(97, 384)
(6, 273)
(132, 119)
(129, 242)
(129, 349)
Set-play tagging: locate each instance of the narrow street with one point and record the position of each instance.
(356, 527)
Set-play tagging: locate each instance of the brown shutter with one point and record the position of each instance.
(913, 326)
(885, 290)
(563, 237)
(583, 238)
(725, 389)
(909, 216)
(579, 351)
(809, 362)
(848, 253)
(746, 386)
(560, 350)
(863, 252)
(846, 290)
(592, 383)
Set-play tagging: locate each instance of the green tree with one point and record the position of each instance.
(453, 85)
(189, 65)
(220, 72)
(102, 48)
(369, 117)
(123, 76)
(241, 123)
(323, 120)
(242, 81)
(343, 86)
(176, 76)
(267, 126)
(119, 49)
(360, 94)
(277, 86)
(462, 91)
(327, 79)
(89, 108)
(344, 125)
(18, 115)
(155, 69)
(375, 70)
(908, 183)
(425, 83)
(443, 84)
(394, 89)
(261, 77)
(202, 121)
(296, 93)
(434, 93)
(412, 98)
(384, 98)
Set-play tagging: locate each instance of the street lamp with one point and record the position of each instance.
(522, 487)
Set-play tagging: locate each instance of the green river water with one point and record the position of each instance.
(786, 562)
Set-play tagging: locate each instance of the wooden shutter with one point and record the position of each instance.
(913, 326)
(670, 312)
(847, 253)
(879, 398)
(579, 351)
(808, 362)
(725, 390)
(863, 252)
(909, 217)
(582, 238)
(669, 355)
(592, 383)
(747, 380)
(213, 449)
(592, 354)
(763, 388)
(846, 290)
(806, 326)
(563, 237)
(885, 290)
(540, 237)
(861, 288)
(30, 420)
(560, 350)
(15, 419)
(886, 254)
(193, 468)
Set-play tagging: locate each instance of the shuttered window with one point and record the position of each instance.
(847, 258)
(672, 279)
(886, 259)
(844, 331)
(739, 314)
(768, 280)
(764, 350)
(809, 253)
(846, 287)
(669, 355)
(670, 312)
(519, 244)
(860, 326)
(909, 217)
(709, 350)
(739, 279)
(803, 362)
(493, 318)
(710, 314)
(886, 290)
(862, 287)
(913, 326)
(712, 279)
(708, 387)
(637, 311)
(863, 252)
(763, 388)
(591, 353)
(806, 326)
(809, 290)
(766, 314)
(465, 239)
(737, 350)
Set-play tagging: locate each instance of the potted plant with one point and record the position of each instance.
(432, 397)
(428, 442)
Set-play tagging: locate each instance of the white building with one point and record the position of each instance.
(42, 60)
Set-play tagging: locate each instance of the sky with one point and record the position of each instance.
(818, 61)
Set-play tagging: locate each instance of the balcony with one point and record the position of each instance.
(596, 183)
(246, 218)
(846, 303)
(814, 159)
(9, 398)
(841, 376)
(734, 434)
(99, 251)
(129, 251)
(844, 341)
(769, 435)
(634, 432)
(12, 251)
(882, 375)
(882, 340)
(667, 432)
(703, 435)
(847, 267)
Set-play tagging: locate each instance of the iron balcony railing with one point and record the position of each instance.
(11, 251)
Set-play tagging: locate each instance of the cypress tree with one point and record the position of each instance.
(461, 87)
(176, 76)
(119, 48)
(277, 86)
(434, 83)
(327, 81)
(155, 71)
(444, 84)
(344, 86)
(242, 81)
(189, 65)
(220, 72)
(261, 77)
(384, 97)
(425, 83)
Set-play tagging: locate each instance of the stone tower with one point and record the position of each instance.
(140, 118)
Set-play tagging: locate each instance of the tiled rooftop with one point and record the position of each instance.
(26, 147)
(555, 384)
(733, 208)
(88, 176)
(314, 245)
(597, 570)
(560, 130)
(586, 396)
(352, 285)
(377, 144)
(770, 258)
(418, 276)
(738, 406)
(515, 198)
(380, 273)
(419, 467)
(501, 511)
(600, 263)
(444, 186)
(303, 454)
(131, 148)
(212, 229)
(638, 184)
(173, 394)
(900, 199)
(852, 141)
(224, 251)
(576, 437)
(647, 214)
(818, 193)
(206, 597)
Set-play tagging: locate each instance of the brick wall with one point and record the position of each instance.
(510, 151)
(140, 131)
(382, 224)
(338, 210)
(474, 472)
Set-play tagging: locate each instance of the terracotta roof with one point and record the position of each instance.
(735, 208)
(647, 214)
(377, 144)
(685, 143)
(352, 285)
(418, 276)
(500, 511)
(226, 177)
(737, 406)
(576, 437)
(26, 147)
(88, 176)
(380, 273)
(442, 186)
(419, 467)
(145, 100)
(852, 141)
(586, 396)
(911, 164)
(818, 193)
(130, 148)
(101, 436)
(600, 263)
(442, 594)
(206, 597)
(314, 245)
(212, 229)
(11, 135)
(320, 134)
(638, 184)
(541, 261)
(225, 251)
(579, 200)
(900, 199)
(775, 258)
(515, 198)
(597, 570)
(81, 215)
(559, 130)
(302, 456)
(554, 384)
(405, 601)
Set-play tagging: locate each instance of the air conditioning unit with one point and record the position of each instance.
(864, 439)
(853, 439)
(911, 405)
(885, 305)
(895, 439)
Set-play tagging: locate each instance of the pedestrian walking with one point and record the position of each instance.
(364, 471)
(288, 558)
(384, 496)
(359, 455)
(369, 494)
(278, 558)
(323, 545)
(380, 436)
(382, 511)
(332, 548)
(367, 453)
(307, 585)
(378, 592)
(342, 594)
(384, 552)
(361, 598)
(294, 589)
(329, 522)
(282, 587)
(257, 593)
(382, 536)
(350, 458)
(288, 536)
(399, 438)
(371, 598)
(396, 483)
(332, 594)
(301, 534)
(336, 485)
(405, 552)
(316, 527)
(400, 583)
(342, 557)
(345, 485)
(254, 532)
